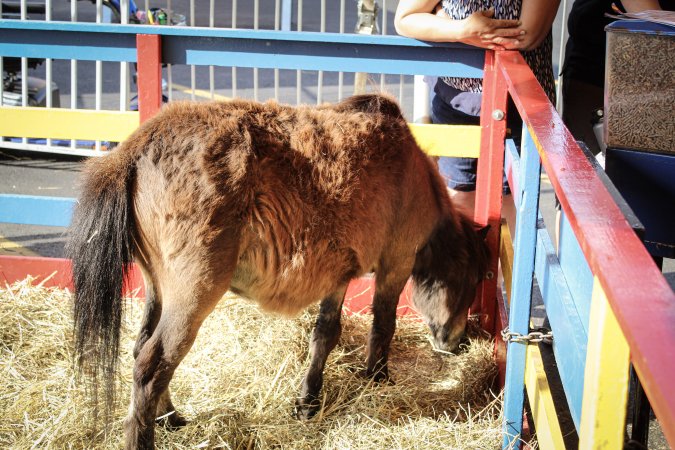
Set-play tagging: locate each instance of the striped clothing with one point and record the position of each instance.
(540, 59)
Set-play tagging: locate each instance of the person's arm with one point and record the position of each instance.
(537, 18)
(633, 6)
(416, 19)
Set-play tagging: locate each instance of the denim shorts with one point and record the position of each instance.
(452, 107)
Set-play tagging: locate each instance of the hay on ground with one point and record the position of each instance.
(238, 384)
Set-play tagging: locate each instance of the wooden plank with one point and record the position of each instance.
(36, 210)
(244, 48)
(116, 126)
(359, 297)
(447, 140)
(56, 272)
(569, 346)
(603, 415)
(51, 272)
(627, 273)
(500, 346)
(565, 321)
(545, 418)
(149, 75)
(506, 264)
(549, 435)
(83, 43)
(61, 123)
(506, 258)
(519, 305)
(512, 166)
(489, 184)
(115, 31)
(577, 273)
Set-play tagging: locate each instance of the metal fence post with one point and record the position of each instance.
(366, 24)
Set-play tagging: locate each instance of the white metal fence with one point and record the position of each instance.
(111, 86)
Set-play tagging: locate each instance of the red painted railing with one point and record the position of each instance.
(640, 297)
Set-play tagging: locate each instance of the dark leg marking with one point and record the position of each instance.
(384, 306)
(324, 338)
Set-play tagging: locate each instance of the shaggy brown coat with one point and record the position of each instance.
(282, 205)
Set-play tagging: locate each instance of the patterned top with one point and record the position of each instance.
(540, 59)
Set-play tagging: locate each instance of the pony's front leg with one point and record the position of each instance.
(385, 302)
(324, 338)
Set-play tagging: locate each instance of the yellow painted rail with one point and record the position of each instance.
(448, 140)
(549, 434)
(603, 409)
(506, 257)
(116, 126)
(61, 123)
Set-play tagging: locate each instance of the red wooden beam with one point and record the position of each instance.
(360, 292)
(641, 299)
(51, 272)
(149, 71)
(57, 272)
(54, 272)
(489, 182)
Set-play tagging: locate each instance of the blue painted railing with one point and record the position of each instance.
(242, 48)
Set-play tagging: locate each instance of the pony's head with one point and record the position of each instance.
(447, 272)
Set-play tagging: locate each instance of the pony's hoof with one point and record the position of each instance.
(380, 376)
(172, 422)
(305, 410)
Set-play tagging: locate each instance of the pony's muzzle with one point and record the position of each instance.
(448, 336)
(447, 345)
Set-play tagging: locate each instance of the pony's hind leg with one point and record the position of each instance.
(151, 314)
(170, 418)
(324, 338)
(184, 308)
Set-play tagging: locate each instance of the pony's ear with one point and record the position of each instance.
(483, 231)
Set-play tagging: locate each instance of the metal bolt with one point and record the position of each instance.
(498, 114)
(489, 275)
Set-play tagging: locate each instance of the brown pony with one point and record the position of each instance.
(279, 204)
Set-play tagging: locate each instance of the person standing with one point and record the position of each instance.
(523, 25)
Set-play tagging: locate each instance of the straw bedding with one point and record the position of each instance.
(238, 384)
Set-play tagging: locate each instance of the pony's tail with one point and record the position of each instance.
(101, 246)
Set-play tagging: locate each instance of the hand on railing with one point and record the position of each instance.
(426, 20)
(482, 30)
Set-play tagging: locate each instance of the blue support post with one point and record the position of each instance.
(523, 270)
